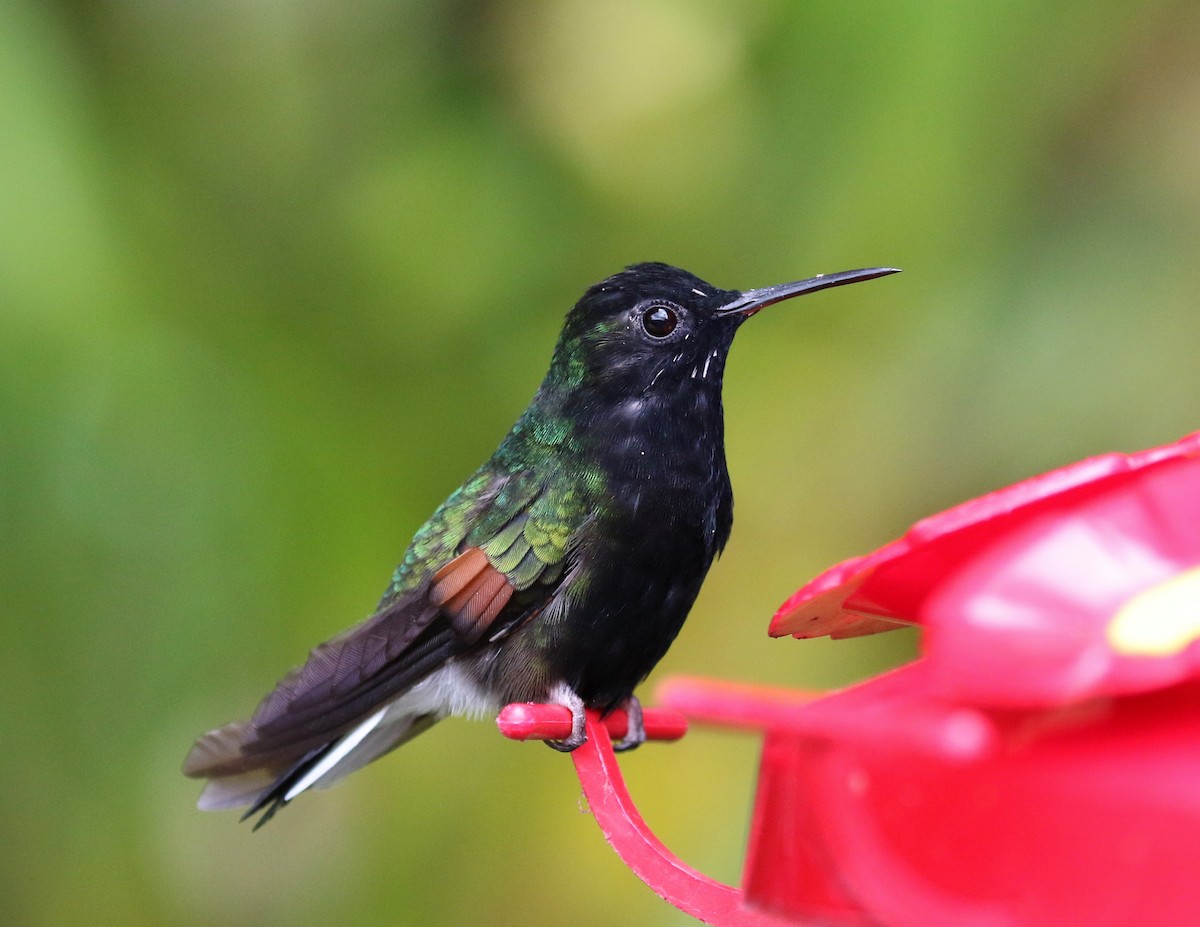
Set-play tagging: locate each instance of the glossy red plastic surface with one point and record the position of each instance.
(1071, 585)
(1087, 816)
(1064, 614)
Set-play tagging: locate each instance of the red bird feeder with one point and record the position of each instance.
(1038, 766)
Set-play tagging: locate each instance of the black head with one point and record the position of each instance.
(654, 328)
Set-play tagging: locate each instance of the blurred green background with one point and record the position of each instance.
(275, 275)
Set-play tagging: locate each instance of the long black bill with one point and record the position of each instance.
(753, 300)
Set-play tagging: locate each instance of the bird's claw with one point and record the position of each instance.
(635, 731)
(565, 696)
(566, 746)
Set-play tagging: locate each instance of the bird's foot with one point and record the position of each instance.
(564, 695)
(635, 732)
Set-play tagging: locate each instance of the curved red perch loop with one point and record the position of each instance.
(596, 764)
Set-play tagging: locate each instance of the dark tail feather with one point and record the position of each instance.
(272, 798)
(261, 761)
(275, 796)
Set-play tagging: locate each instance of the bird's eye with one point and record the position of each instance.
(659, 321)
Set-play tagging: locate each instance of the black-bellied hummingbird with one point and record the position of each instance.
(560, 571)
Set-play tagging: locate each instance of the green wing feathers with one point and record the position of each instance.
(523, 524)
(532, 547)
(439, 539)
(516, 551)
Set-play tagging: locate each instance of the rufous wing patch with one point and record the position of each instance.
(456, 575)
(470, 592)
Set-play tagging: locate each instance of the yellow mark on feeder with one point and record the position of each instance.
(1160, 621)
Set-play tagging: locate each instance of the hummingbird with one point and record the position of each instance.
(560, 571)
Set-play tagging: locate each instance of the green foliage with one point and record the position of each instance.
(275, 277)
